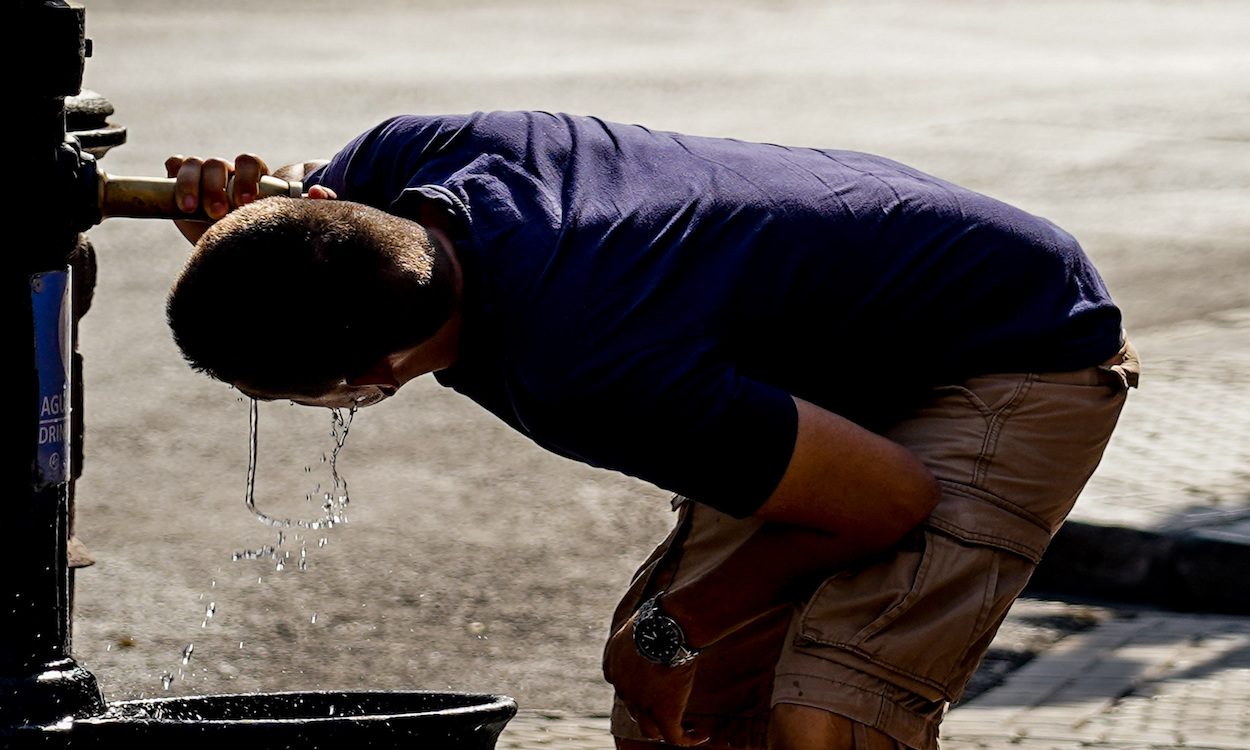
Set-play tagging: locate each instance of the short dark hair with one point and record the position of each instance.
(292, 296)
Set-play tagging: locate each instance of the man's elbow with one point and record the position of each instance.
(922, 496)
(906, 505)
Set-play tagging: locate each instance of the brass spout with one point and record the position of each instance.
(153, 197)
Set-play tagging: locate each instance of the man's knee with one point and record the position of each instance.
(795, 727)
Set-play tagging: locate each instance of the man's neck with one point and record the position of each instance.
(440, 350)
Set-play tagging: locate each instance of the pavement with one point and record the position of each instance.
(1144, 588)
(475, 561)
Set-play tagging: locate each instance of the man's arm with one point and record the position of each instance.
(846, 494)
(848, 482)
(297, 172)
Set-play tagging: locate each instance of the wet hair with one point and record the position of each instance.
(292, 296)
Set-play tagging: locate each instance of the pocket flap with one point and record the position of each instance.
(979, 517)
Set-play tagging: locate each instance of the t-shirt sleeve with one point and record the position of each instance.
(703, 431)
(379, 164)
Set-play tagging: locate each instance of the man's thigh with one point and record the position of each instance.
(892, 641)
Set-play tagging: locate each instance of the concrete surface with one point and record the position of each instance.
(472, 560)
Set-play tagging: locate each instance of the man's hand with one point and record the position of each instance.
(203, 182)
(655, 695)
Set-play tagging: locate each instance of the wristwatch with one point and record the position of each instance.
(658, 637)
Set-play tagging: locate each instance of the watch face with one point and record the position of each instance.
(657, 638)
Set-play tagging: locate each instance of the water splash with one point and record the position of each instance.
(334, 502)
(167, 678)
(333, 511)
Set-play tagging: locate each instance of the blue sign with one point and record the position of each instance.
(50, 296)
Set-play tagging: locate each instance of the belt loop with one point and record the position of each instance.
(1124, 369)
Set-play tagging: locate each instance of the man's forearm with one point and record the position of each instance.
(297, 172)
(778, 565)
(846, 494)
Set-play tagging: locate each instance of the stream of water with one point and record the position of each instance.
(333, 507)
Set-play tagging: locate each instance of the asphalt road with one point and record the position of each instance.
(472, 560)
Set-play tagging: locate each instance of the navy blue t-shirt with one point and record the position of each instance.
(648, 301)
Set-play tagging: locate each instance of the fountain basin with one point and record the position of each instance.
(305, 720)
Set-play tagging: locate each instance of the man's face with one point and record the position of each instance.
(343, 396)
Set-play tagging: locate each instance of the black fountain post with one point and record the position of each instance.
(53, 193)
(42, 689)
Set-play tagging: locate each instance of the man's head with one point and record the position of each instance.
(297, 296)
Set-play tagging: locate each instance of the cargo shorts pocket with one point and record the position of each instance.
(922, 619)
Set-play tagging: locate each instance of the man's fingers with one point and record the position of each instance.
(665, 727)
(173, 164)
(187, 181)
(214, 176)
(647, 726)
(321, 192)
(697, 736)
(200, 182)
(248, 169)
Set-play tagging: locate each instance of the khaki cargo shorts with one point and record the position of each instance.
(890, 643)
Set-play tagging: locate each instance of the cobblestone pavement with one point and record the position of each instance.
(1151, 681)
(536, 730)
(1179, 464)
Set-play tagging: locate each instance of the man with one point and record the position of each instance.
(876, 394)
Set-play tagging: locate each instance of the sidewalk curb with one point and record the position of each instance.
(1185, 570)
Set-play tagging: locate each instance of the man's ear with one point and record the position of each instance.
(382, 373)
